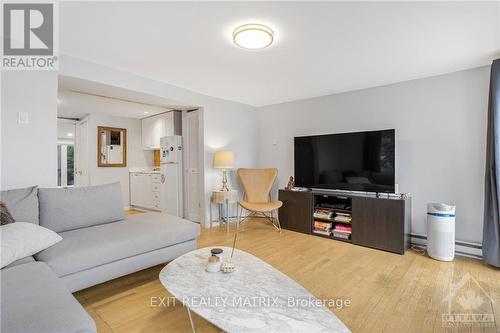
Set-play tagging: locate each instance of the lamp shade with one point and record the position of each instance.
(224, 159)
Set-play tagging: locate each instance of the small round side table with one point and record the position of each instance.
(222, 198)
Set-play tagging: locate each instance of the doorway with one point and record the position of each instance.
(82, 175)
(72, 152)
(65, 152)
(192, 133)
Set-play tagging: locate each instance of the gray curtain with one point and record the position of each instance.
(491, 222)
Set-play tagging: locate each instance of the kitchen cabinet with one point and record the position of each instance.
(168, 123)
(155, 127)
(145, 190)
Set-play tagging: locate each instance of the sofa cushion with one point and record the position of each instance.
(34, 299)
(63, 209)
(22, 203)
(90, 247)
(21, 261)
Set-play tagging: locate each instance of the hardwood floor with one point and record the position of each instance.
(388, 292)
(133, 211)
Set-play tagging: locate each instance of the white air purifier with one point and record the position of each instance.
(441, 231)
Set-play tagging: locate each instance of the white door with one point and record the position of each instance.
(191, 136)
(82, 177)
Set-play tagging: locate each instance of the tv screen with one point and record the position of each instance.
(361, 161)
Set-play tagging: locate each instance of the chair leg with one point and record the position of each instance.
(278, 226)
(242, 219)
(278, 220)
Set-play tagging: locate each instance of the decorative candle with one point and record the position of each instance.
(213, 265)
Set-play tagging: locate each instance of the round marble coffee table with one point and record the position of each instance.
(256, 297)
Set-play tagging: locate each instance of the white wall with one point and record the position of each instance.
(136, 157)
(227, 125)
(440, 127)
(29, 151)
(440, 119)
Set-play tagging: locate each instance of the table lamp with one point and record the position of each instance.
(224, 160)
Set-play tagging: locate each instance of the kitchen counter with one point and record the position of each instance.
(150, 170)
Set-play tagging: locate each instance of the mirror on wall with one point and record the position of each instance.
(111, 147)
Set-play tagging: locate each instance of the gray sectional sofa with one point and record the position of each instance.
(99, 243)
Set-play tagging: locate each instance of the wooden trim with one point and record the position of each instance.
(99, 146)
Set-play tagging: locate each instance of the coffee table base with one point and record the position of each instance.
(191, 320)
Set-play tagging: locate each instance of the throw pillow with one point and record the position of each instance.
(22, 239)
(22, 203)
(5, 217)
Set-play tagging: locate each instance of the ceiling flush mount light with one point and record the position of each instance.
(253, 36)
(70, 134)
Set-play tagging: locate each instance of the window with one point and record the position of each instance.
(65, 165)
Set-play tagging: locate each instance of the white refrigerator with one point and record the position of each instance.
(171, 175)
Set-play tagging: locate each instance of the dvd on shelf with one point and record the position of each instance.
(322, 213)
(333, 220)
(321, 232)
(322, 228)
(341, 235)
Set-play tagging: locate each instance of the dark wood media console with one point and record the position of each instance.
(381, 223)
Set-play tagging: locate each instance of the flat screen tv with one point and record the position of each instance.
(360, 161)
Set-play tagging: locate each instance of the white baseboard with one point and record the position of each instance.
(462, 248)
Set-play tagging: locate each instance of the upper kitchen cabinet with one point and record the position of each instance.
(155, 127)
(152, 127)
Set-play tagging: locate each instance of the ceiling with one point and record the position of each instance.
(65, 131)
(320, 48)
(78, 98)
(77, 105)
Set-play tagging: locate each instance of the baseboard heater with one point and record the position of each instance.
(462, 248)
